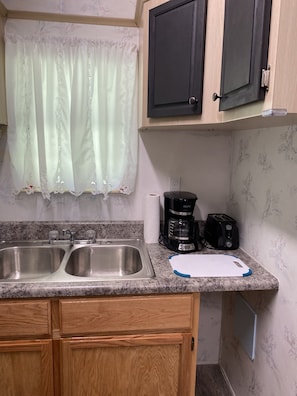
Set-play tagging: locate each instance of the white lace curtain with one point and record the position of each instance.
(71, 96)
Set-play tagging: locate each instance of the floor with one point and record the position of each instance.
(210, 381)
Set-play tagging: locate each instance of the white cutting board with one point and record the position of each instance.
(208, 265)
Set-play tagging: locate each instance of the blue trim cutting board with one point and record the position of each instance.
(208, 265)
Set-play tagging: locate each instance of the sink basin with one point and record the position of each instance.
(29, 262)
(104, 261)
(39, 261)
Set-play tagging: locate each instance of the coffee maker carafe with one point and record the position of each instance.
(180, 231)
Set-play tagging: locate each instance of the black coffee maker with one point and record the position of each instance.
(180, 231)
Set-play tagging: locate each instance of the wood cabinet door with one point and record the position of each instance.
(245, 51)
(176, 58)
(136, 365)
(26, 368)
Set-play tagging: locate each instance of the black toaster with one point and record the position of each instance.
(221, 232)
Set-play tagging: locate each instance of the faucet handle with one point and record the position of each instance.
(91, 236)
(53, 235)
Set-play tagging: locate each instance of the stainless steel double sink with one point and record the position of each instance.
(39, 261)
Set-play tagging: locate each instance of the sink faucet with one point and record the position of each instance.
(71, 235)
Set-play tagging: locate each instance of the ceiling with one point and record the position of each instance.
(114, 12)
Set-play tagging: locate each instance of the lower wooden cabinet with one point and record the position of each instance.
(131, 365)
(117, 346)
(26, 353)
(26, 368)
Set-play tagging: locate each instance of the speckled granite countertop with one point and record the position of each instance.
(165, 280)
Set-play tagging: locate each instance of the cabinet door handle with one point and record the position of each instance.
(215, 96)
(193, 100)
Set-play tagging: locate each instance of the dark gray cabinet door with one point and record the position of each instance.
(176, 58)
(245, 51)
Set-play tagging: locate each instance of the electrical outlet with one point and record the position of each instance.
(174, 183)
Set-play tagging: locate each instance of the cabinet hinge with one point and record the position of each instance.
(265, 78)
(192, 344)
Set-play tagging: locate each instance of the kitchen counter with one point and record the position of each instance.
(165, 281)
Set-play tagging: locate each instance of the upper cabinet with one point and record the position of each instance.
(176, 58)
(245, 51)
(3, 116)
(249, 61)
(206, 61)
(279, 106)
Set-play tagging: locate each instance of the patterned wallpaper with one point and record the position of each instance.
(264, 201)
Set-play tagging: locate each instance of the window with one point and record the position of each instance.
(71, 98)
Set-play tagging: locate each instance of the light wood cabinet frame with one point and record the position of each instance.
(72, 346)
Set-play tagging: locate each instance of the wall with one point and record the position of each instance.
(263, 200)
(202, 161)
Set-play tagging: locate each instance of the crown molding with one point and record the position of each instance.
(85, 19)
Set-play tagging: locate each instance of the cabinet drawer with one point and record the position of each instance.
(126, 314)
(21, 319)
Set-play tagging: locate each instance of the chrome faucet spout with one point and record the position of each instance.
(71, 235)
